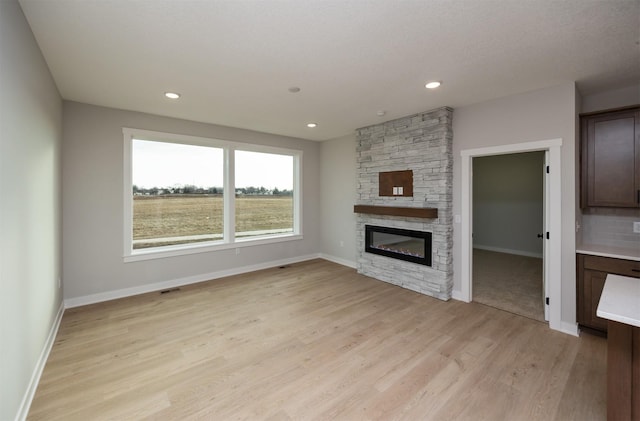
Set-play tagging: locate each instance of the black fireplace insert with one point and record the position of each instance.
(408, 245)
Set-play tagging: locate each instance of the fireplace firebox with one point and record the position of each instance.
(408, 245)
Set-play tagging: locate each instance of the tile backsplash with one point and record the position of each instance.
(610, 227)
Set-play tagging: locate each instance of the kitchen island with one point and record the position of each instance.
(620, 305)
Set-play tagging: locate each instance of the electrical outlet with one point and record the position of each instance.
(237, 251)
(636, 227)
(341, 243)
(59, 282)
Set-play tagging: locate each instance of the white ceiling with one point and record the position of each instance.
(234, 60)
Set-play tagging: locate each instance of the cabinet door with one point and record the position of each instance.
(592, 290)
(611, 159)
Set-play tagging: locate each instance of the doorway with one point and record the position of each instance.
(552, 235)
(508, 220)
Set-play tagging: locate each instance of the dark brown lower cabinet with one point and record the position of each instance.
(591, 292)
(591, 273)
(623, 372)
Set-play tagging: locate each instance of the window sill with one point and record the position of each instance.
(181, 250)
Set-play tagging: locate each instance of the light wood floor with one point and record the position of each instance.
(314, 341)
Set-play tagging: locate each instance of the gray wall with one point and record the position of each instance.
(93, 203)
(532, 116)
(508, 205)
(30, 138)
(338, 194)
(613, 98)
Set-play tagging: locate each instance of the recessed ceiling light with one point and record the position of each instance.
(432, 85)
(172, 95)
(381, 113)
(312, 125)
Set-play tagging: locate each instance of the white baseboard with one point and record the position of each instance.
(338, 260)
(142, 289)
(508, 251)
(23, 410)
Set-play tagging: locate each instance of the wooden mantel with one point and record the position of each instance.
(397, 211)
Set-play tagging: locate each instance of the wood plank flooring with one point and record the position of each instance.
(314, 341)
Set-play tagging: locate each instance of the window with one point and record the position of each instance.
(177, 193)
(185, 194)
(263, 210)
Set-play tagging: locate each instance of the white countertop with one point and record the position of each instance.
(620, 300)
(610, 251)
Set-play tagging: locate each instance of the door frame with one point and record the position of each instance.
(545, 247)
(553, 200)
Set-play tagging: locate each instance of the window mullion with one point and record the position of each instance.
(128, 193)
(229, 196)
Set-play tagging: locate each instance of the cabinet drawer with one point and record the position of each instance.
(610, 265)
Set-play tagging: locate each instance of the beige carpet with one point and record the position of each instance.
(508, 282)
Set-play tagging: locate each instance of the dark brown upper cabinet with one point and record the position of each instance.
(610, 158)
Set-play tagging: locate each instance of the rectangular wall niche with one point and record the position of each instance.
(396, 183)
(408, 245)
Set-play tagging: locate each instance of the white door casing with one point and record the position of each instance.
(545, 246)
(553, 212)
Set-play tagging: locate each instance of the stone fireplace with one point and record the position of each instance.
(421, 144)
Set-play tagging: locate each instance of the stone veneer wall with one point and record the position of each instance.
(422, 143)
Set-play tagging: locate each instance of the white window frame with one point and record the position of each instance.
(229, 241)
